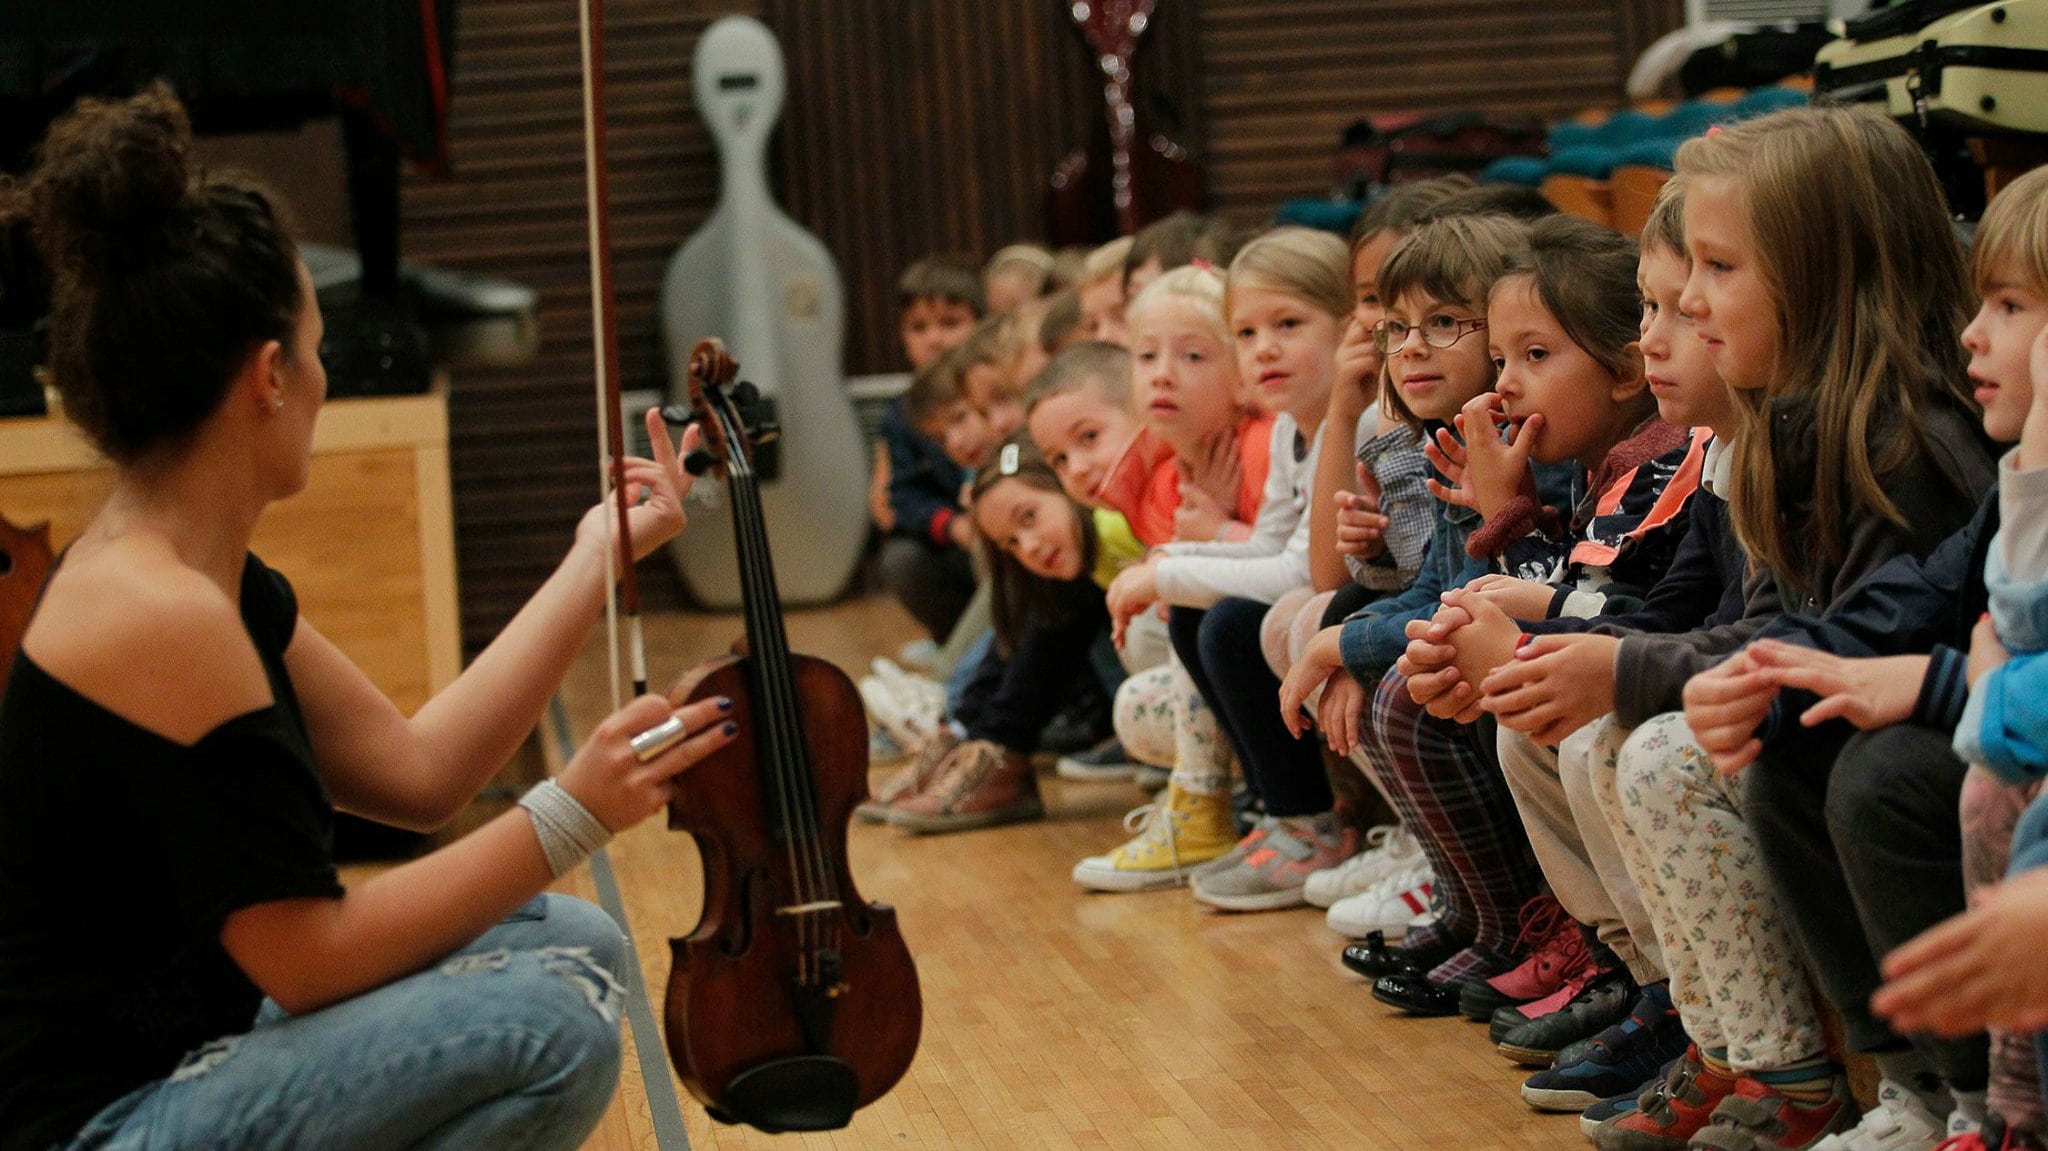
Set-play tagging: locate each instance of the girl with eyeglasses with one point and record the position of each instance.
(1434, 343)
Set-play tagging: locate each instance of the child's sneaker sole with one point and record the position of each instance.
(1261, 901)
(1015, 813)
(1103, 877)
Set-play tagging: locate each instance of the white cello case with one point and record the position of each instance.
(753, 277)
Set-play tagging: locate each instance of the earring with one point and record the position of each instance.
(276, 404)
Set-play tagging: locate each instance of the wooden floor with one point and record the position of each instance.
(1055, 1018)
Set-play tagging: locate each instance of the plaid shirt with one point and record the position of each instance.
(1394, 457)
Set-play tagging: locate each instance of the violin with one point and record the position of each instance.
(795, 1001)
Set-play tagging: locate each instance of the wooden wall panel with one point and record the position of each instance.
(1279, 92)
(523, 440)
(924, 126)
(913, 126)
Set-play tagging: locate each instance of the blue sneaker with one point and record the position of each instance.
(1612, 1107)
(1617, 1059)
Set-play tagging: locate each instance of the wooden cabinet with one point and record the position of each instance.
(369, 544)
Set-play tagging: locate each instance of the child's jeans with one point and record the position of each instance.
(511, 1043)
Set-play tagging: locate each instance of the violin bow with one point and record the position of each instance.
(622, 585)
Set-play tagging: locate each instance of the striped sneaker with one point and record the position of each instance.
(1397, 903)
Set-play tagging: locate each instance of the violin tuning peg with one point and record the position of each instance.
(678, 415)
(699, 462)
(767, 433)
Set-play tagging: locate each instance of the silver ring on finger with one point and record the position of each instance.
(658, 738)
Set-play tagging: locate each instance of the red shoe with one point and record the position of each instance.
(1556, 950)
(1757, 1118)
(1671, 1112)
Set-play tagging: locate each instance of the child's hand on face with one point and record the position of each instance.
(1132, 591)
(878, 491)
(1321, 662)
(1976, 970)
(1216, 470)
(2034, 434)
(1724, 706)
(1987, 652)
(1358, 373)
(1869, 693)
(1446, 453)
(1555, 685)
(1495, 470)
(1519, 598)
(1199, 516)
(1361, 529)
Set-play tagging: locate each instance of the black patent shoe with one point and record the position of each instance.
(1416, 995)
(1372, 958)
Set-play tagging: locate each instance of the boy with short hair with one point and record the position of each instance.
(1102, 292)
(925, 562)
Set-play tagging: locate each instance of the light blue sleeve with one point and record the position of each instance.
(2003, 726)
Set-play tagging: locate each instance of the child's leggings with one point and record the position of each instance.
(1736, 974)
(1443, 778)
(1860, 837)
(1162, 720)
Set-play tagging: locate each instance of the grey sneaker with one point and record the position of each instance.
(1271, 874)
(1235, 856)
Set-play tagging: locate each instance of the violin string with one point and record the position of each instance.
(803, 814)
(801, 787)
(754, 559)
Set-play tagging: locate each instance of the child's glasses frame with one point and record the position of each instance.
(1438, 331)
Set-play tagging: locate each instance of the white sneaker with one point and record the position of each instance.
(1389, 848)
(1899, 1122)
(909, 707)
(1392, 906)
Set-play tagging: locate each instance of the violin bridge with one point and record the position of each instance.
(810, 908)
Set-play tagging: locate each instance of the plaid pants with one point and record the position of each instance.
(1444, 778)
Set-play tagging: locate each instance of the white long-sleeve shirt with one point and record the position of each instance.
(1274, 560)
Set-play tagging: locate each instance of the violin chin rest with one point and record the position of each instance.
(798, 1093)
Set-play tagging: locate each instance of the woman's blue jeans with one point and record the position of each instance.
(511, 1043)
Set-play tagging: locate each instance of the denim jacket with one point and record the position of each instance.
(1374, 637)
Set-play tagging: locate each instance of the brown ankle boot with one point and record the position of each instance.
(911, 779)
(978, 785)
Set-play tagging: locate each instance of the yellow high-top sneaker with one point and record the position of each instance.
(1174, 835)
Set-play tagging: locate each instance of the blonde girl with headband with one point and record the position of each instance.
(1289, 294)
(1206, 483)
